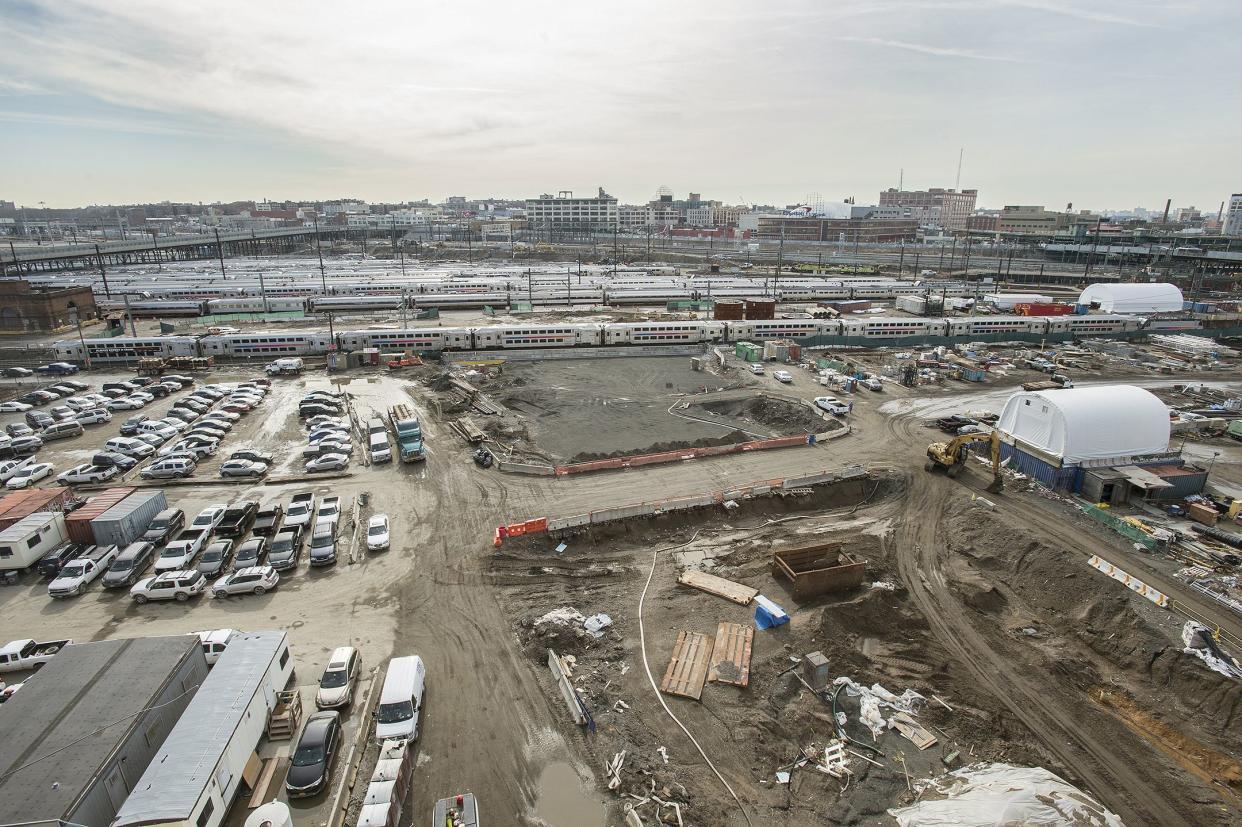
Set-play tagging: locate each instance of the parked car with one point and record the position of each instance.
(782, 376)
(310, 766)
(328, 462)
(28, 476)
(312, 409)
(17, 373)
(323, 544)
(124, 403)
(168, 469)
(159, 390)
(39, 420)
(62, 412)
(129, 426)
(207, 432)
(50, 564)
(286, 548)
(214, 642)
(339, 679)
(184, 414)
(832, 405)
(62, 430)
(183, 381)
(215, 559)
(12, 466)
(323, 419)
(253, 552)
(16, 429)
(253, 456)
(209, 517)
(242, 468)
(178, 425)
(122, 461)
(192, 446)
(80, 572)
(178, 585)
(128, 565)
(222, 416)
(301, 510)
(26, 444)
(181, 551)
(152, 439)
(329, 509)
(57, 369)
(267, 520)
(253, 580)
(401, 699)
(377, 532)
(87, 474)
(164, 525)
(14, 407)
(129, 446)
(93, 416)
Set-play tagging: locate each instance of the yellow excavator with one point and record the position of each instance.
(952, 455)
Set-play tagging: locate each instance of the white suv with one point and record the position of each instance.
(130, 447)
(170, 585)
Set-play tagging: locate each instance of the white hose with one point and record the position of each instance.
(642, 638)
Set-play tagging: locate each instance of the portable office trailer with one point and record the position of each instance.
(78, 523)
(126, 521)
(17, 506)
(27, 540)
(194, 778)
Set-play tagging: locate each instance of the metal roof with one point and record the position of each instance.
(180, 771)
(82, 690)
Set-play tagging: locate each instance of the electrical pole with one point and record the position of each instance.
(323, 277)
(77, 320)
(220, 253)
(780, 260)
(102, 272)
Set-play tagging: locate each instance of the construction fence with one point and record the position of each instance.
(1125, 529)
(650, 508)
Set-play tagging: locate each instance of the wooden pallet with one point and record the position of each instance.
(730, 661)
(718, 586)
(260, 794)
(687, 670)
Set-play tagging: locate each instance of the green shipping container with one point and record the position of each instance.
(1235, 429)
(748, 351)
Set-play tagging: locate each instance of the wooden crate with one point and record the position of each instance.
(817, 568)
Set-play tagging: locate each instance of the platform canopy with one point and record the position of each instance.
(1098, 422)
(1133, 298)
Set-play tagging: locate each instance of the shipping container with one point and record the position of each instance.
(748, 351)
(1042, 309)
(126, 521)
(27, 540)
(78, 524)
(24, 503)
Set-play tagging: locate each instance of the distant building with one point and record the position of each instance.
(1034, 221)
(814, 228)
(564, 211)
(1233, 215)
(952, 207)
(983, 222)
(347, 207)
(98, 712)
(25, 308)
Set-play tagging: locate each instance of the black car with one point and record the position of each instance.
(254, 456)
(106, 458)
(183, 381)
(250, 553)
(311, 763)
(33, 398)
(286, 548)
(50, 564)
(16, 373)
(39, 420)
(215, 559)
(310, 409)
(16, 429)
(141, 381)
(57, 369)
(237, 519)
(130, 426)
(125, 388)
(129, 565)
(114, 393)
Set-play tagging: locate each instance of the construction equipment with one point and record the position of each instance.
(409, 433)
(951, 456)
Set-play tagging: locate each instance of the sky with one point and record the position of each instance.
(1104, 104)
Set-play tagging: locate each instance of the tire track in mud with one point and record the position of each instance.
(1111, 771)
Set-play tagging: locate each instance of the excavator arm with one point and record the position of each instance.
(951, 455)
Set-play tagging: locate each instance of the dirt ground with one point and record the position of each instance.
(1042, 660)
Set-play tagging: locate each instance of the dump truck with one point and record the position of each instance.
(409, 433)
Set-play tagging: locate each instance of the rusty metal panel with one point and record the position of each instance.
(687, 669)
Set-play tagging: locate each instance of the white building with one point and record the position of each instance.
(1081, 425)
(349, 207)
(1233, 216)
(401, 219)
(565, 211)
(1154, 297)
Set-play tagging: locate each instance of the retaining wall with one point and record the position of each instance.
(638, 460)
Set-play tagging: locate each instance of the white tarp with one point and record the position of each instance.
(1158, 297)
(1098, 422)
(1001, 795)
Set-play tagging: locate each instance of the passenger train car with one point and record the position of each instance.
(872, 329)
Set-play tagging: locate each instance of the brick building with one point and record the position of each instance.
(27, 309)
(953, 207)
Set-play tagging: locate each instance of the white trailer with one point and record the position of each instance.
(196, 775)
(27, 540)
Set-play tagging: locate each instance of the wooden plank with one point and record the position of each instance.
(731, 654)
(687, 669)
(718, 586)
(260, 795)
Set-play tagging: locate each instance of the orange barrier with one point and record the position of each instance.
(536, 526)
(638, 460)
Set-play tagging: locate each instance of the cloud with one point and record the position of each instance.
(90, 122)
(936, 51)
(12, 87)
(1093, 14)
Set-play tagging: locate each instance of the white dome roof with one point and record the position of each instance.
(1098, 422)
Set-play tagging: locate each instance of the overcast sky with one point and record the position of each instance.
(1098, 102)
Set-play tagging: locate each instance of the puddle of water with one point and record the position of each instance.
(565, 801)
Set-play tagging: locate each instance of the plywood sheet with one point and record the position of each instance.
(730, 661)
(718, 586)
(687, 670)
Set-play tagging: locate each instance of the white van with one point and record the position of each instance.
(401, 701)
(381, 448)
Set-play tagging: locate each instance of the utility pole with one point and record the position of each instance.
(614, 249)
(77, 320)
(159, 264)
(133, 329)
(323, 276)
(102, 272)
(901, 262)
(220, 253)
(780, 260)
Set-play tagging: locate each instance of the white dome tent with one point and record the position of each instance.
(1083, 424)
(1158, 297)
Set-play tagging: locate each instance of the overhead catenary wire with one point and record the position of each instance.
(642, 640)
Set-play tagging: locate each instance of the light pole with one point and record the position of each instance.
(77, 320)
(323, 278)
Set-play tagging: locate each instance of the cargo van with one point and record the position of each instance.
(401, 700)
(381, 448)
(62, 430)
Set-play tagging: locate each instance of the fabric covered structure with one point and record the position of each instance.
(1092, 423)
(1133, 298)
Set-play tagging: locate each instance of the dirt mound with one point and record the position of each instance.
(731, 438)
(777, 414)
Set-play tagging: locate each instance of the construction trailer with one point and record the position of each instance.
(195, 777)
(26, 541)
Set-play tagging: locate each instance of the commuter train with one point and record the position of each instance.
(865, 330)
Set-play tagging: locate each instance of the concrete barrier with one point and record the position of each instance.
(639, 460)
(526, 468)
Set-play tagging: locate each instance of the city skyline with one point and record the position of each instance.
(1053, 102)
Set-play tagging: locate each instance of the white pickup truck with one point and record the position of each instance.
(29, 654)
(301, 510)
(80, 572)
(832, 405)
